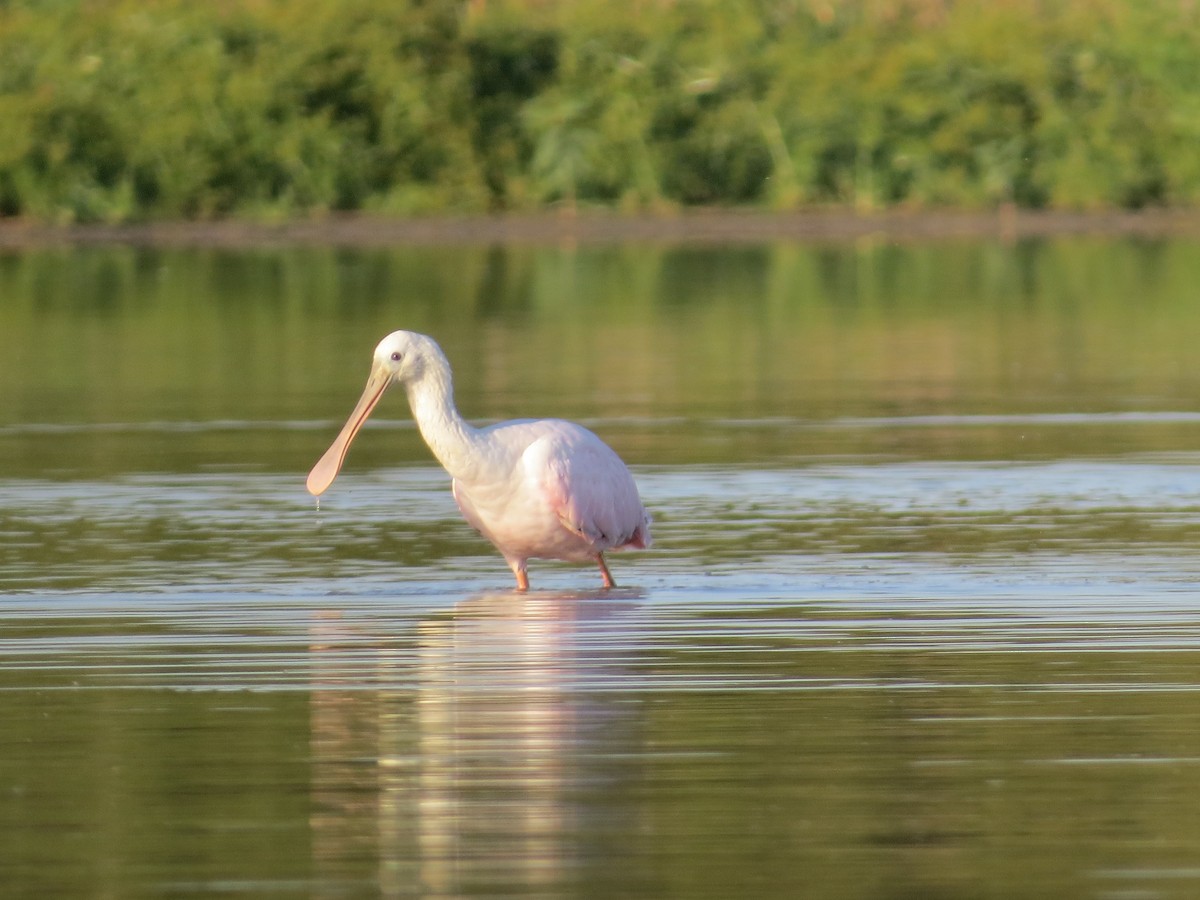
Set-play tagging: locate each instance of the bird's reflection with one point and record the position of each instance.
(458, 763)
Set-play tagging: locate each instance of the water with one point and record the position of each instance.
(921, 618)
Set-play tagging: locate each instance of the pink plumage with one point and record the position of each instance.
(535, 488)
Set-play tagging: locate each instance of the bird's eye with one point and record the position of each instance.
(397, 356)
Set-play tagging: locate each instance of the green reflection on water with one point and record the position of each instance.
(531, 746)
(166, 794)
(160, 407)
(815, 332)
(234, 365)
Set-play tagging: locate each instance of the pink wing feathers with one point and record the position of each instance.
(588, 487)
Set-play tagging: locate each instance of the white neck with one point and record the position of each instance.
(451, 438)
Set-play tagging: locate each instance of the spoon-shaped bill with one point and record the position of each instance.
(328, 466)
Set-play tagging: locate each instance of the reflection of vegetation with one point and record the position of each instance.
(799, 332)
(114, 111)
(759, 758)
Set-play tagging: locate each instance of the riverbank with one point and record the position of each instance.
(692, 227)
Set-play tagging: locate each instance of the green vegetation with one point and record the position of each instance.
(153, 109)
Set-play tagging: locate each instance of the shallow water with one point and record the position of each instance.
(920, 621)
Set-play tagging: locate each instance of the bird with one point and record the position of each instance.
(535, 488)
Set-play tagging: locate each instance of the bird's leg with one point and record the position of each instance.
(518, 569)
(604, 573)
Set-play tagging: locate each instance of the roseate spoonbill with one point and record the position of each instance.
(536, 488)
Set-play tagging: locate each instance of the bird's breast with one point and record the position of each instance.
(519, 522)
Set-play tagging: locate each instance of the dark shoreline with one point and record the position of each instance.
(690, 227)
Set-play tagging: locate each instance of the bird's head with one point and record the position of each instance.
(403, 357)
